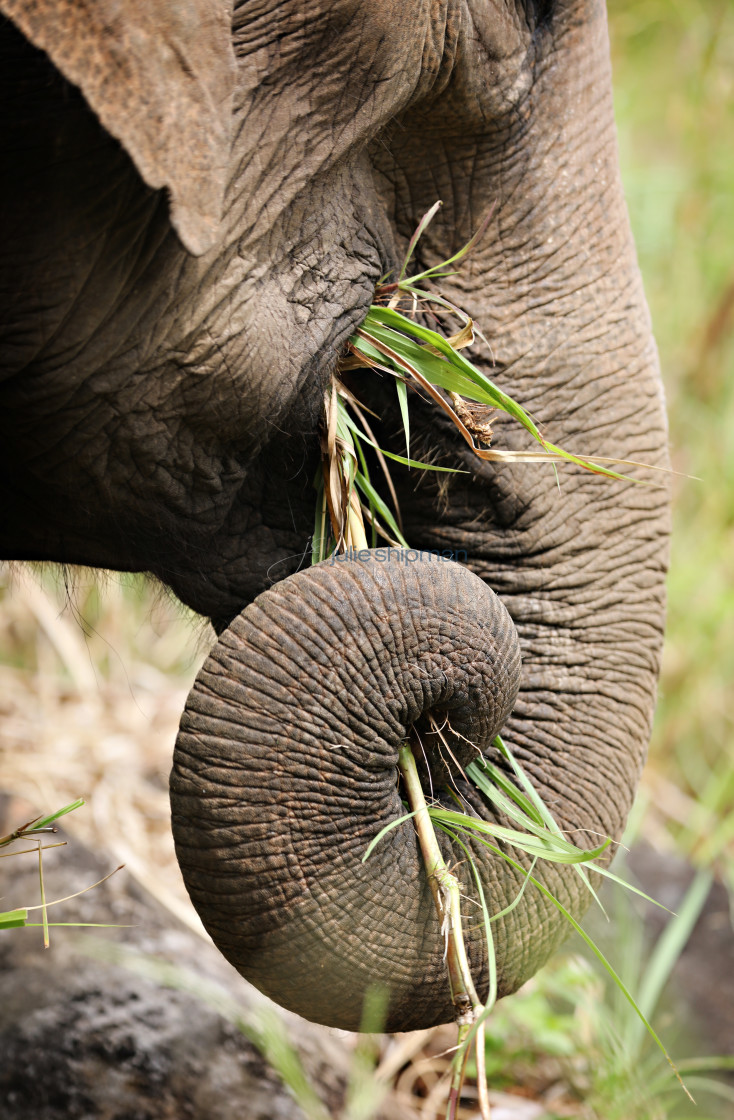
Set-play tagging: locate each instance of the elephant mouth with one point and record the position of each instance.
(286, 767)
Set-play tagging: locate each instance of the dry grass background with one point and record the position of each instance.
(93, 678)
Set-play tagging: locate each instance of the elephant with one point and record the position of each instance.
(198, 201)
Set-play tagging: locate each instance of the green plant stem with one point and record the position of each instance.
(46, 941)
(446, 892)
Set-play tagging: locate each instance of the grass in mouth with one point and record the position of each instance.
(421, 360)
(349, 507)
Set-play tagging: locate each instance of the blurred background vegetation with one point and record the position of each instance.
(90, 698)
(674, 96)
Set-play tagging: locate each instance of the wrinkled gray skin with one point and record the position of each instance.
(195, 219)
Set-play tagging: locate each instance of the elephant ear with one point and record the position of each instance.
(160, 77)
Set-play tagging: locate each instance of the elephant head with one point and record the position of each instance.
(199, 200)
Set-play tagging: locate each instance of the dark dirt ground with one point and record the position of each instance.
(85, 1038)
(704, 972)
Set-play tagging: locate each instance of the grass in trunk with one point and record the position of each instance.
(349, 507)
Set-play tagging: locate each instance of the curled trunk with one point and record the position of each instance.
(286, 768)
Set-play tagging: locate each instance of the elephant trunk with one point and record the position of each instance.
(286, 767)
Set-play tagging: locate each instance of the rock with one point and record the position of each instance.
(704, 972)
(85, 1036)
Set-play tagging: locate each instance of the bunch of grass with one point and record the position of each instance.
(420, 359)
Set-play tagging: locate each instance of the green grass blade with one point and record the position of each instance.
(501, 793)
(489, 392)
(543, 811)
(590, 465)
(526, 813)
(461, 253)
(528, 878)
(610, 970)
(320, 542)
(554, 840)
(46, 821)
(530, 850)
(13, 919)
(385, 316)
(529, 821)
(668, 949)
(366, 487)
(478, 770)
(420, 229)
(342, 427)
(433, 368)
(365, 347)
(527, 785)
(383, 832)
(44, 912)
(419, 464)
(89, 925)
(607, 874)
(435, 299)
(400, 458)
(358, 436)
(443, 374)
(551, 848)
(402, 391)
(550, 822)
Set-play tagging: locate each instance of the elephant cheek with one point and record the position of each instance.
(286, 768)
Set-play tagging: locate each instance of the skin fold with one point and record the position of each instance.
(197, 204)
